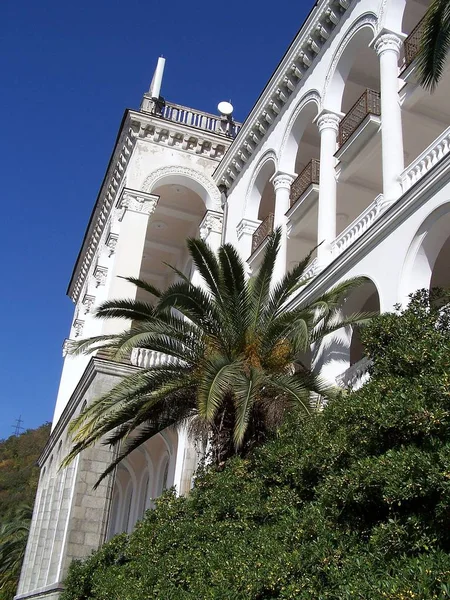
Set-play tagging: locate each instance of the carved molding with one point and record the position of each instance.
(78, 327)
(211, 222)
(311, 96)
(100, 274)
(247, 227)
(111, 242)
(88, 303)
(206, 183)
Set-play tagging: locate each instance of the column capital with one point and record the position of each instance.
(328, 119)
(246, 226)
(137, 201)
(388, 41)
(282, 181)
(212, 221)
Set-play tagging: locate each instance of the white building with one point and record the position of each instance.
(342, 147)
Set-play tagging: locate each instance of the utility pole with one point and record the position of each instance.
(18, 426)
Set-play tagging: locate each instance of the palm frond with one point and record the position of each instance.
(246, 392)
(125, 309)
(143, 285)
(435, 44)
(260, 284)
(207, 265)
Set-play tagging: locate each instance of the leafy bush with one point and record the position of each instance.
(353, 503)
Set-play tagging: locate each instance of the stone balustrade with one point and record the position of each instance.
(311, 270)
(426, 161)
(147, 359)
(202, 120)
(356, 375)
(361, 224)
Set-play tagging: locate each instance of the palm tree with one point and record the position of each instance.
(435, 43)
(13, 540)
(234, 355)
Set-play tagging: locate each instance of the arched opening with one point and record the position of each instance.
(260, 204)
(302, 152)
(426, 264)
(354, 91)
(143, 475)
(177, 216)
(425, 116)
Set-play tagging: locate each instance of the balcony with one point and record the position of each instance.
(193, 118)
(359, 125)
(304, 192)
(309, 176)
(411, 45)
(263, 231)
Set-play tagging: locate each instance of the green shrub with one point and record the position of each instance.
(353, 503)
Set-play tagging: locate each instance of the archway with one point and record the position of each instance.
(353, 90)
(426, 263)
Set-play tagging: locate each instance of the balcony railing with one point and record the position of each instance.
(435, 152)
(412, 43)
(367, 104)
(264, 230)
(309, 175)
(195, 118)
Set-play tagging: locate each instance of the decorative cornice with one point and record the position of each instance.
(111, 242)
(100, 274)
(111, 186)
(287, 78)
(247, 226)
(212, 221)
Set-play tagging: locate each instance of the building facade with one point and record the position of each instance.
(343, 149)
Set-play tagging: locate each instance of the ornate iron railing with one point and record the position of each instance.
(412, 43)
(309, 175)
(260, 234)
(367, 104)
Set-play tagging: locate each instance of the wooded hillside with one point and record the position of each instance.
(18, 471)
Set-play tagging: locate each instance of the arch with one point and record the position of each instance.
(362, 31)
(295, 129)
(199, 183)
(163, 474)
(267, 165)
(424, 250)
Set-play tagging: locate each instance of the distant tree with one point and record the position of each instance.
(234, 354)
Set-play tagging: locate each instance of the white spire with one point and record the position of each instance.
(155, 86)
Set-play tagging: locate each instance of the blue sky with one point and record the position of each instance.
(68, 70)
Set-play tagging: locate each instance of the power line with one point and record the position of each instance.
(18, 426)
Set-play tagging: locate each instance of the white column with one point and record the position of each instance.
(328, 124)
(387, 45)
(282, 186)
